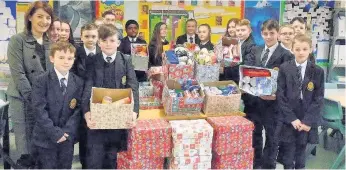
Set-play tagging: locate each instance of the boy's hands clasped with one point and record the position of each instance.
(298, 125)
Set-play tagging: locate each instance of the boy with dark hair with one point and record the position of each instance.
(300, 97)
(262, 111)
(111, 69)
(131, 28)
(56, 99)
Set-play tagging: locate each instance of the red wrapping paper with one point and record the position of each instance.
(124, 161)
(150, 139)
(232, 134)
(243, 160)
(158, 88)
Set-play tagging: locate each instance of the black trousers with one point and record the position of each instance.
(293, 155)
(232, 73)
(264, 157)
(59, 157)
(82, 143)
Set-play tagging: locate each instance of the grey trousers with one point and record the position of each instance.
(23, 123)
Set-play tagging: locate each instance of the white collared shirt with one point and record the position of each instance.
(188, 38)
(87, 51)
(60, 76)
(132, 39)
(302, 73)
(283, 46)
(271, 51)
(113, 56)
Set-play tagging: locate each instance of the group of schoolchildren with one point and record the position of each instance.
(61, 96)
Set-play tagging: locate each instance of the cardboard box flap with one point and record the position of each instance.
(116, 94)
(221, 83)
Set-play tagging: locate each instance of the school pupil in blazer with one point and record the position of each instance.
(56, 99)
(190, 36)
(156, 44)
(114, 70)
(204, 34)
(262, 111)
(300, 98)
(28, 57)
(131, 28)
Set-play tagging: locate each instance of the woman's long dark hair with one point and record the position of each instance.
(70, 38)
(235, 20)
(158, 39)
(32, 9)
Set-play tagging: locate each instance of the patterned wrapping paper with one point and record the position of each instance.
(149, 139)
(232, 134)
(189, 129)
(147, 103)
(139, 56)
(243, 160)
(158, 88)
(199, 166)
(125, 162)
(175, 106)
(190, 160)
(207, 73)
(192, 147)
(177, 71)
(146, 91)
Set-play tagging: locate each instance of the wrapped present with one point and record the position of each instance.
(258, 81)
(150, 139)
(158, 88)
(221, 104)
(191, 129)
(201, 165)
(192, 147)
(182, 103)
(140, 57)
(176, 69)
(126, 162)
(232, 134)
(147, 99)
(115, 115)
(207, 73)
(182, 161)
(242, 160)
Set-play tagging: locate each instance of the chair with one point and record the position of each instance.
(330, 86)
(333, 119)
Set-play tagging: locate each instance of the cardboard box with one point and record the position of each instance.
(258, 81)
(232, 134)
(113, 115)
(192, 147)
(207, 73)
(125, 162)
(180, 105)
(243, 160)
(147, 100)
(177, 71)
(221, 105)
(199, 166)
(140, 57)
(158, 88)
(191, 129)
(182, 161)
(150, 139)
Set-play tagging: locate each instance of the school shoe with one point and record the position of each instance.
(26, 161)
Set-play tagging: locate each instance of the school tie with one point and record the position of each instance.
(191, 40)
(109, 59)
(299, 77)
(91, 54)
(265, 58)
(63, 86)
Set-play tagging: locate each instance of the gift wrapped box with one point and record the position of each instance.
(112, 115)
(201, 165)
(192, 147)
(207, 73)
(191, 129)
(140, 58)
(242, 160)
(232, 134)
(181, 105)
(158, 88)
(194, 162)
(126, 162)
(219, 104)
(150, 139)
(258, 81)
(147, 100)
(175, 71)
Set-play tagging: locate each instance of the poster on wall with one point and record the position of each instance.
(174, 19)
(116, 6)
(214, 13)
(258, 12)
(77, 13)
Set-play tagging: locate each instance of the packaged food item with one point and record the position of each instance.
(107, 100)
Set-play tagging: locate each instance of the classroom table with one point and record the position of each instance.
(160, 114)
(336, 95)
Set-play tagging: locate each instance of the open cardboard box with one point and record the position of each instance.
(113, 115)
(180, 105)
(221, 105)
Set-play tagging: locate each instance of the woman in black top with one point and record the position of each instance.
(204, 33)
(28, 57)
(156, 44)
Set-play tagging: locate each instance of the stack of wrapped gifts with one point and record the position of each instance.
(192, 144)
(232, 144)
(147, 98)
(149, 142)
